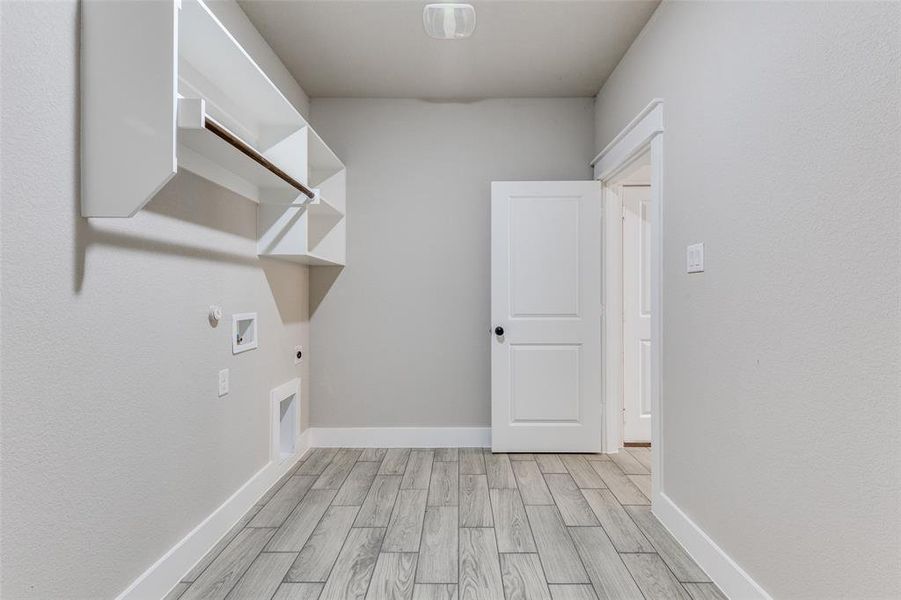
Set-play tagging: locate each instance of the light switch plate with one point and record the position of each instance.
(695, 258)
(298, 354)
(223, 382)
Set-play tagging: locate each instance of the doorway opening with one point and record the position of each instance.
(631, 191)
(630, 172)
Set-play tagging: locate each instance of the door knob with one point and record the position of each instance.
(498, 330)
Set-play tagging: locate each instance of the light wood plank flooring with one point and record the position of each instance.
(452, 524)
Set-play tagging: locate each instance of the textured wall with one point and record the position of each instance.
(114, 442)
(402, 337)
(781, 363)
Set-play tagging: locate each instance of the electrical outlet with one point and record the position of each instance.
(223, 382)
(298, 354)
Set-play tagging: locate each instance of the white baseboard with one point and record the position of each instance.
(725, 572)
(400, 437)
(165, 573)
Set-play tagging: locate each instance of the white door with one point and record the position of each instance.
(546, 316)
(636, 313)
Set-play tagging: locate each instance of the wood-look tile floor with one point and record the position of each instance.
(452, 524)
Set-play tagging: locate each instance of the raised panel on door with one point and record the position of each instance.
(544, 269)
(539, 372)
(546, 297)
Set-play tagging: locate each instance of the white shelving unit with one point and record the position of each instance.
(166, 86)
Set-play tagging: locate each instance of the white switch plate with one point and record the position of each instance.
(223, 382)
(298, 350)
(695, 258)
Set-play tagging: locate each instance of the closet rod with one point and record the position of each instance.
(250, 151)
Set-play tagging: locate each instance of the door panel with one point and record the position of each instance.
(544, 268)
(546, 295)
(540, 372)
(636, 314)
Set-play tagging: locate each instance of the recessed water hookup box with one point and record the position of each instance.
(244, 332)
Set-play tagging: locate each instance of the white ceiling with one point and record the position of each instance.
(521, 48)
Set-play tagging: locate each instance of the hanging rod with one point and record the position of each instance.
(250, 151)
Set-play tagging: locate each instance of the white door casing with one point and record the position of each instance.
(644, 134)
(546, 295)
(636, 313)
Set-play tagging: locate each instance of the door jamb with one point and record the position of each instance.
(612, 323)
(643, 134)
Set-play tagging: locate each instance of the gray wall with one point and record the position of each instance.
(401, 337)
(781, 362)
(114, 442)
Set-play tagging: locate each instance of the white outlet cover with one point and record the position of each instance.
(223, 382)
(297, 349)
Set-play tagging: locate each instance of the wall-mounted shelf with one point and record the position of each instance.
(317, 229)
(208, 147)
(166, 86)
(323, 163)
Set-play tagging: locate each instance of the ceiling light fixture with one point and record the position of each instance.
(449, 21)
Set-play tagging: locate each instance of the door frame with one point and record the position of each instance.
(644, 134)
